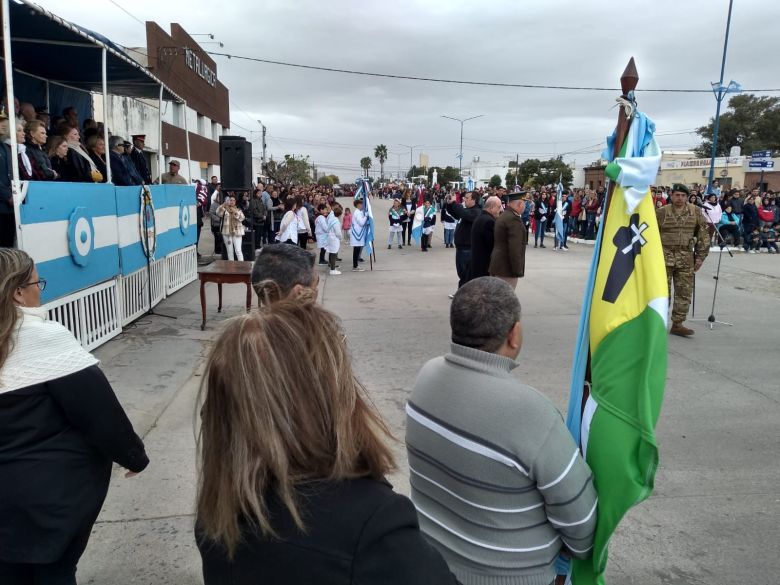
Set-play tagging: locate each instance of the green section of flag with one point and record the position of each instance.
(628, 374)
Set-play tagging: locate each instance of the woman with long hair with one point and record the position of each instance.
(61, 427)
(57, 149)
(83, 167)
(96, 147)
(292, 460)
(232, 228)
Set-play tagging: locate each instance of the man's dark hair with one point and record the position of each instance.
(278, 268)
(321, 206)
(483, 312)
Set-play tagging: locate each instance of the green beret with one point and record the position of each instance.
(680, 187)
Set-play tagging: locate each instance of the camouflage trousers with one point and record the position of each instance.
(679, 268)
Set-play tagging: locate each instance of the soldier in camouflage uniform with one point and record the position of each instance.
(686, 245)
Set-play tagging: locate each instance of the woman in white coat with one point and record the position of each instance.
(288, 229)
(357, 234)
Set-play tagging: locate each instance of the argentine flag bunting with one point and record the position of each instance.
(623, 328)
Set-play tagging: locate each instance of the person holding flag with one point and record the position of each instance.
(361, 233)
(622, 333)
(561, 218)
(428, 221)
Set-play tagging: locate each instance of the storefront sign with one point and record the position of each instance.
(691, 163)
(203, 71)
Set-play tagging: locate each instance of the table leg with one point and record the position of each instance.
(219, 289)
(203, 303)
(248, 297)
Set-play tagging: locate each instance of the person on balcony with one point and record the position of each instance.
(120, 174)
(83, 169)
(36, 143)
(96, 146)
(57, 149)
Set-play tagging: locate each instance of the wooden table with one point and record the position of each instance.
(225, 272)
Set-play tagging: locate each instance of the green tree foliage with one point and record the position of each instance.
(416, 171)
(445, 175)
(751, 122)
(495, 181)
(291, 171)
(511, 178)
(536, 173)
(380, 153)
(365, 164)
(328, 180)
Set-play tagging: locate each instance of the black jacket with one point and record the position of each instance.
(6, 194)
(481, 244)
(358, 532)
(36, 153)
(749, 215)
(467, 216)
(57, 442)
(139, 160)
(77, 168)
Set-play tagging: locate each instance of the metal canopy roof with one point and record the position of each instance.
(47, 46)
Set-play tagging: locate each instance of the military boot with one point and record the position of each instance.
(681, 330)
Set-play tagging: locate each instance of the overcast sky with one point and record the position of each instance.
(338, 118)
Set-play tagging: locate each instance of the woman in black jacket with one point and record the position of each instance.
(291, 487)
(61, 427)
(749, 220)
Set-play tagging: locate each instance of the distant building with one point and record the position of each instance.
(594, 176)
(481, 172)
(424, 160)
(684, 167)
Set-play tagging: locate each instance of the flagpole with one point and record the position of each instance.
(628, 82)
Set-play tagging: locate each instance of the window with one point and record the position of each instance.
(202, 125)
(214, 131)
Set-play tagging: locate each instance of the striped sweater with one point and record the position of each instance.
(496, 478)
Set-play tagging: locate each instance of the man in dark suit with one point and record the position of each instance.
(139, 159)
(482, 238)
(467, 214)
(507, 261)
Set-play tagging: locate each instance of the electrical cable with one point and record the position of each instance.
(466, 82)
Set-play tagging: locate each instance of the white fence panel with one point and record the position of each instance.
(182, 268)
(92, 315)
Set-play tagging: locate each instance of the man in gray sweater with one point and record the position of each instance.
(499, 485)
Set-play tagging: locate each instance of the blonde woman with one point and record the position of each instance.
(61, 427)
(291, 486)
(232, 228)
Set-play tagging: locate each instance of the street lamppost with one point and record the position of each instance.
(460, 154)
(720, 92)
(411, 150)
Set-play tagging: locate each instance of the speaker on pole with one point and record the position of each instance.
(235, 161)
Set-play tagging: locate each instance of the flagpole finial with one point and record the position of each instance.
(630, 78)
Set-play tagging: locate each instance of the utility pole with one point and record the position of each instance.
(460, 155)
(517, 170)
(411, 151)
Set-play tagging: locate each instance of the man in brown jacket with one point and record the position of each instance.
(510, 238)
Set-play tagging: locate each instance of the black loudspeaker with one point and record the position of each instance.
(235, 161)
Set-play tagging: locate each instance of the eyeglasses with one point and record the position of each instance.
(40, 283)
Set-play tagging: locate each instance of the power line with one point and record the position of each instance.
(465, 82)
(126, 11)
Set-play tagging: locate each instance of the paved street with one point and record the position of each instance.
(712, 519)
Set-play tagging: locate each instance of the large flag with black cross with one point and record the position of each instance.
(620, 360)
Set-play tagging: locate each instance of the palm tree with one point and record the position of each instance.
(365, 164)
(380, 152)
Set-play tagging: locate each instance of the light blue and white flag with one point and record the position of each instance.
(558, 220)
(417, 224)
(364, 192)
